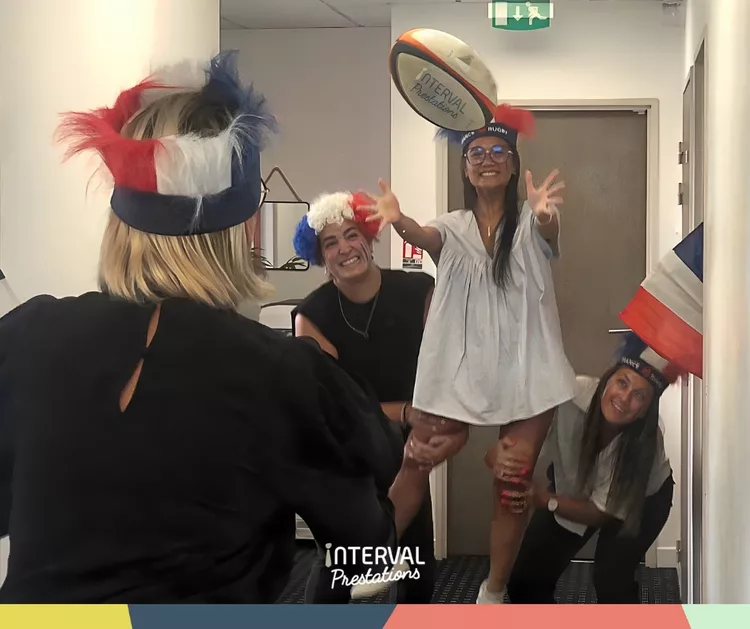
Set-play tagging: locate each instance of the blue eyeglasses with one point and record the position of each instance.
(498, 153)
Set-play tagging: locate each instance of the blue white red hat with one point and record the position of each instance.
(667, 310)
(647, 363)
(188, 183)
(508, 123)
(330, 209)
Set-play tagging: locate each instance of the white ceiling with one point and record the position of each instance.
(260, 14)
(257, 14)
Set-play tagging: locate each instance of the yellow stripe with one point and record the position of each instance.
(64, 617)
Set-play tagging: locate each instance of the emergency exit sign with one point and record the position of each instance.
(520, 16)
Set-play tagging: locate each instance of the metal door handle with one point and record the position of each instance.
(620, 331)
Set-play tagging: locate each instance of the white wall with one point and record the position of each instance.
(83, 54)
(329, 90)
(696, 20)
(594, 50)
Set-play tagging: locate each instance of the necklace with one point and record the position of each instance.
(366, 332)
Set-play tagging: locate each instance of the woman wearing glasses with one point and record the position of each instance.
(492, 352)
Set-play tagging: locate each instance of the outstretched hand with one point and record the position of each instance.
(386, 208)
(544, 199)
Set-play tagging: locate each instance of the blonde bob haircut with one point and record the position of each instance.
(218, 269)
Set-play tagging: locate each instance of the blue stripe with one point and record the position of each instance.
(260, 616)
(690, 251)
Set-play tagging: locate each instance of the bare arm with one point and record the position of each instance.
(548, 226)
(304, 327)
(427, 238)
(387, 210)
(580, 511)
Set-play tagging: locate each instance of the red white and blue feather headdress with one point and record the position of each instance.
(187, 183)
(330, 209)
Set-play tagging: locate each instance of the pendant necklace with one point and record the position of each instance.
(366, 332)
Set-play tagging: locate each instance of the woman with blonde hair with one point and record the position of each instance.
(154, 444)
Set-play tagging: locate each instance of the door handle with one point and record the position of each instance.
(620, 331)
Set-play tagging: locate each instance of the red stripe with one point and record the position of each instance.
(667, 334)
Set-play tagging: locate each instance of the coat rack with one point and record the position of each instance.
(275, 170)
(295, 263)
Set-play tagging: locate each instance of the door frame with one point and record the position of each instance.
(690, 569)
(648, 107)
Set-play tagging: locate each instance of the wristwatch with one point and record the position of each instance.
(552, 505)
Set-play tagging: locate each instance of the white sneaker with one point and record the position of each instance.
(486, 597)
(373, 588)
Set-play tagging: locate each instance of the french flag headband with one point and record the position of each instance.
(642, 359)
(187, 183)
(508, 123)
(330, 209)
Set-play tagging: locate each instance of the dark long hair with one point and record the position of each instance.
(633, 457)
(501, 255)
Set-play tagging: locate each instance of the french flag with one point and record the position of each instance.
(667, 310)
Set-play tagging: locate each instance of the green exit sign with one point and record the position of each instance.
(520, 16)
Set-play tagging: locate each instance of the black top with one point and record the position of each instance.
(190, 494)
(388, 358)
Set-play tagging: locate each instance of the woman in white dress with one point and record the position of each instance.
(492, 352)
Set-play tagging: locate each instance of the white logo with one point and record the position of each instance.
(384, 564)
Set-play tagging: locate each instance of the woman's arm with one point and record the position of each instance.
(304, 327)
(328, 454)
(388, 211)
(427, 238)
(548, 226)
(580, 511)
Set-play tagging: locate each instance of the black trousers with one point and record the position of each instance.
(547, 549)
(419, 536)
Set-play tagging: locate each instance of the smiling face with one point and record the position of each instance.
(626, 397)
(489, 163)
(346, 252)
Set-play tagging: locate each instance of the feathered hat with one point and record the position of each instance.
(330, 209)
(188, 183)
(508, 123)
(642, 359)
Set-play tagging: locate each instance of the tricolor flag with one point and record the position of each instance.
(667, 310)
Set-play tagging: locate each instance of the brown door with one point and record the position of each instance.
(602, 156)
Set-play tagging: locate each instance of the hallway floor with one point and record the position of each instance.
(459, 579)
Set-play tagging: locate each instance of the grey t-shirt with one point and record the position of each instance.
(563, 449)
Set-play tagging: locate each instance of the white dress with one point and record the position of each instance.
(489, 358)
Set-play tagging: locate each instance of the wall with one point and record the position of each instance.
(84, 53)
(329, 90)
(593, 50)
(696, 21)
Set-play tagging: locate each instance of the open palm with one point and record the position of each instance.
(544, 199)
(386, 208)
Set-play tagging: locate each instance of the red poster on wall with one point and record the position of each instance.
(412, 257)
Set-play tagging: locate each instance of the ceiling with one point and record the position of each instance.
(263, 14)
(258, 14)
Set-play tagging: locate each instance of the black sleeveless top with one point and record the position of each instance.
(387, 359)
